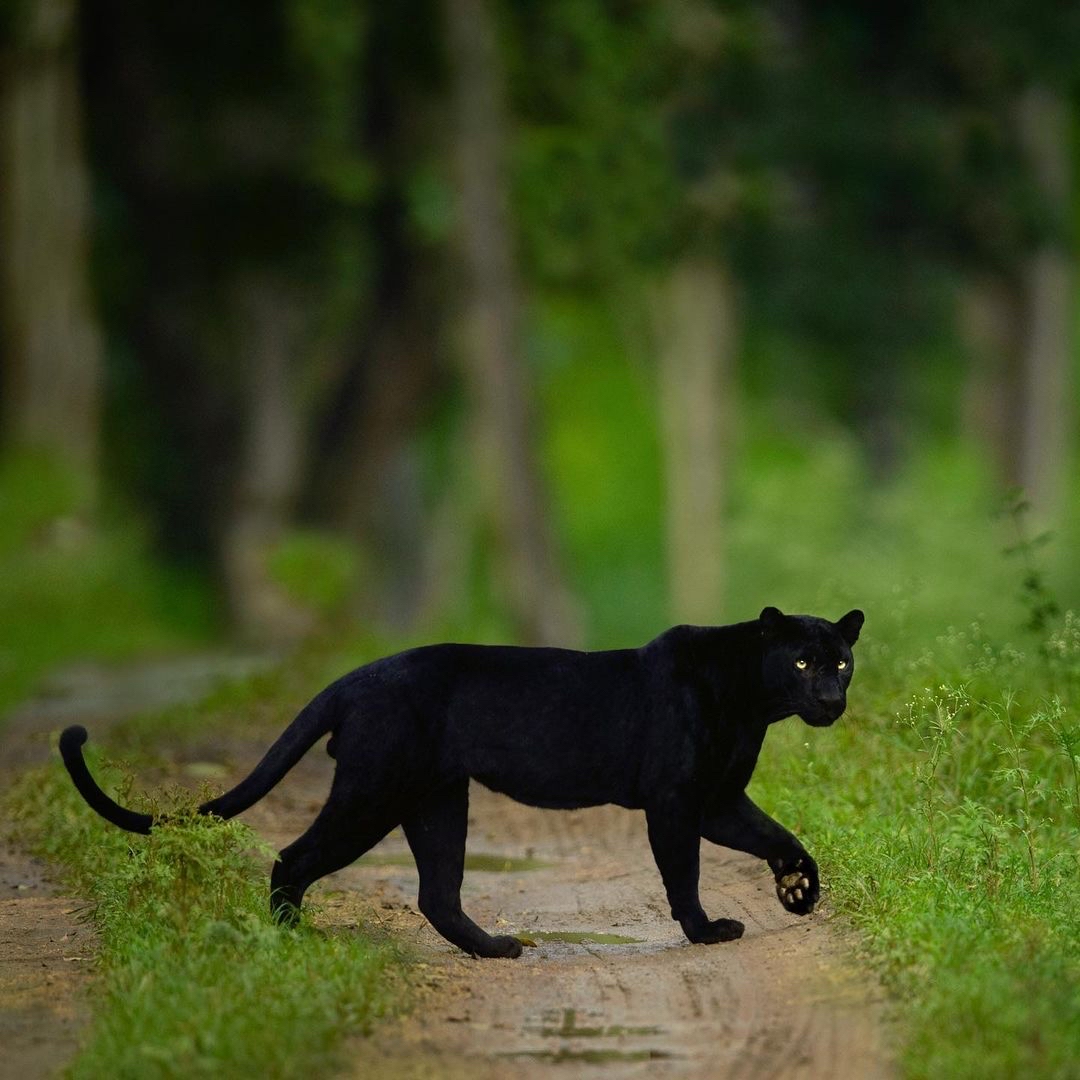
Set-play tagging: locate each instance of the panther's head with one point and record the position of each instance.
(807, 664)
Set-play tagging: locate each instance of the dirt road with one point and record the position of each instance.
(45, 952)
(632, 998)
(626, 995)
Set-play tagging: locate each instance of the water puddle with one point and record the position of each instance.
(590, 1056)
(577, 937)
(497, 864)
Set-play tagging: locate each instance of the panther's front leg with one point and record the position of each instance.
(737, 823)
(675, 841)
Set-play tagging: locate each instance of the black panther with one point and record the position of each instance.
(674, 728)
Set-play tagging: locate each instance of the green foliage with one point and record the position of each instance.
(73, 587)
(35, 493)
(318, 569)
(603, 454)
(1041, 606)
(810, 531)
(195, 979)
(326, 39)
(596, 193)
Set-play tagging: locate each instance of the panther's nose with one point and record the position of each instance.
(833, 703)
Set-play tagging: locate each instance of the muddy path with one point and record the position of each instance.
(610, 989)
(631, 997)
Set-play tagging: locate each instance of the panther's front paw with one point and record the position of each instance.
(797, 884)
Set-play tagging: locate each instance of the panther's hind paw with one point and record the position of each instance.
(503, 947)
(716, 931)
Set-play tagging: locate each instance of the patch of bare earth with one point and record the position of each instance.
(788, 999)
(45, 952)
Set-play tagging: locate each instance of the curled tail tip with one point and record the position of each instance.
(72, 738)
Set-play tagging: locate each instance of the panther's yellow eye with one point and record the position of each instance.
(842, 664)
(800, 664)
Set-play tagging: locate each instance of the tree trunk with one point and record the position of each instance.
(380, 498)
(991, 326)
(696, 319)
(270, 464)
(52, 355)
(1019, 398)
(1047, 399)
(511, 489)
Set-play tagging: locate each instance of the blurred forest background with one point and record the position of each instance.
(535, 320)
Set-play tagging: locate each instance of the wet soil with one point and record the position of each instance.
(608, 988)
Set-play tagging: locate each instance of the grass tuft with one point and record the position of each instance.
(195, 979)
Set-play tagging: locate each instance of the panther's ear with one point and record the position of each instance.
(850, 625)
(772, 620)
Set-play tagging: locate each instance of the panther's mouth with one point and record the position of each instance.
(822, 716)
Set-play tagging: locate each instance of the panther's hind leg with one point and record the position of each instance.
(339, 835)
(436, 835)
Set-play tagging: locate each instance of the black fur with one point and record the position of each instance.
(674, 728)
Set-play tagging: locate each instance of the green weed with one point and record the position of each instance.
(1038, 600)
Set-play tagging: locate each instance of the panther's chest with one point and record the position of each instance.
(737, 756)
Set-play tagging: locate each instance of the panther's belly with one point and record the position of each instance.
(542, 800)
(564, 795)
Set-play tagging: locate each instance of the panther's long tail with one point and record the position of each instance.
(313, 721)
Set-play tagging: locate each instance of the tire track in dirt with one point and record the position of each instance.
(787, 1000)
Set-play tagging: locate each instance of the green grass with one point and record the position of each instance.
(948, 831)
(195, 980)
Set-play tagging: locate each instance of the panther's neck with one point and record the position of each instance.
(728, 660)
